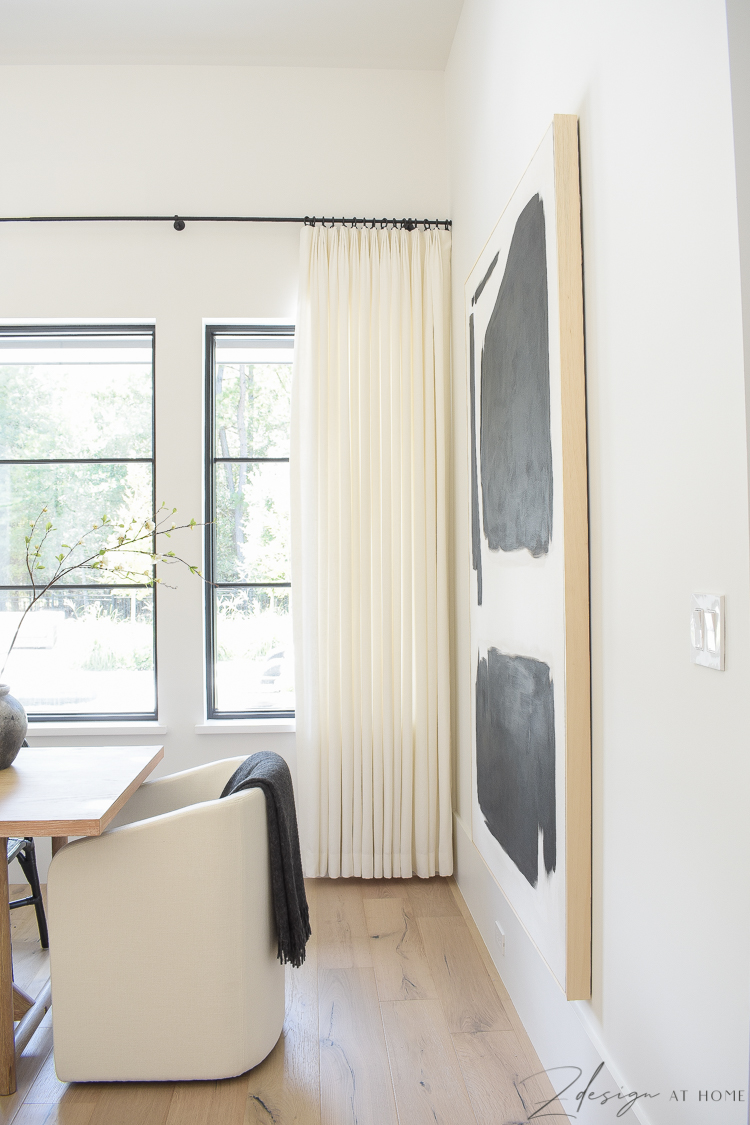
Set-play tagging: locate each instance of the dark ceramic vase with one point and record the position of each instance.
(13, 727)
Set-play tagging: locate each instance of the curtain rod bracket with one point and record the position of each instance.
(179, 224)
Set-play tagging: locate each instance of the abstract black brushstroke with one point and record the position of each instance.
(485, 279)
(476, 539)
(515, 715)
(515, 445)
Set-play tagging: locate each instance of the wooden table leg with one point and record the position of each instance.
(7, 1042)
(57, 843)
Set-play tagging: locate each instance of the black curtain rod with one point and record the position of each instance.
(179, 221)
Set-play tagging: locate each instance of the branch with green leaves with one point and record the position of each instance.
(134, 538)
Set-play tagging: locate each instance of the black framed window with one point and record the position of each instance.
(77, 437)
(250, 662)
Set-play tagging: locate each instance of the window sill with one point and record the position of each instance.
(246, 726)
(93, 728)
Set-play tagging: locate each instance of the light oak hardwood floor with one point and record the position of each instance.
(397, 1017)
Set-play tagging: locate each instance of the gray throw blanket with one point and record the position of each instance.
(269, 772)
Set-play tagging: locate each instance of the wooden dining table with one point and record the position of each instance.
(57, 791)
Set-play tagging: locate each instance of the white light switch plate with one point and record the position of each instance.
(707, 631)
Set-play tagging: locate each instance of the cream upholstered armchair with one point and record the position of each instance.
(163, 944)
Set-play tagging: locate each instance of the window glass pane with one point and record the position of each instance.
(76, 498)
(254, 668)
(81, 651)
(75, 397)
(251, 532)
(249, 489)
(252, 408)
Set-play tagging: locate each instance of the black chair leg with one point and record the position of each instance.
(27, 860)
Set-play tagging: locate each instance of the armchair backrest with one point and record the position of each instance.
(176, 791)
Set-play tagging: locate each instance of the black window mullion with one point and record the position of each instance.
(250, 586)
(76, 460)
(100, 586)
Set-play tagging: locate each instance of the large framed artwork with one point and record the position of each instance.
(531, 811)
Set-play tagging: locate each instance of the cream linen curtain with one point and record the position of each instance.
(369, 552)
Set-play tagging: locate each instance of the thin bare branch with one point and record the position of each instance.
(135, 533)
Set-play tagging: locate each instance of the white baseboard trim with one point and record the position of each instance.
(564, 1033)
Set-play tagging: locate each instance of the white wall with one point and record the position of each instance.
(738, 22)
(668, 496)
(200, 140)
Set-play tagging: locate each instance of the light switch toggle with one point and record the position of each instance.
(707, 631)
(696, 628)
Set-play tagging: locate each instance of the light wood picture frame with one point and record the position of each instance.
(530, 641)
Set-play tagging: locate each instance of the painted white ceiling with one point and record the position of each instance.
(388, 34)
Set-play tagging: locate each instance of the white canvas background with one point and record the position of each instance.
(523, 609)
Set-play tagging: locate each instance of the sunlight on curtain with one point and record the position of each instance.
(370, 416)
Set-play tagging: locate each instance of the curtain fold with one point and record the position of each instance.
(370, 416)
